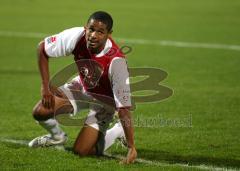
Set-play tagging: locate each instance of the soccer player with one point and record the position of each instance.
(91, 45)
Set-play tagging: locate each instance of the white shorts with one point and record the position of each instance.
(99, 116)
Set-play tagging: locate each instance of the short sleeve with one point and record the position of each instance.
(119, 78)
(62, 44)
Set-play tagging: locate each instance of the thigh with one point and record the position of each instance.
(76, 95)
(62, 105)
(96, 125)
(86, 141)
(99, 118)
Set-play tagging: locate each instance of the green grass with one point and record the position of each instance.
(205, 81)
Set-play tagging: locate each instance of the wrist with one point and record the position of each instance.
(45, 85)
(131, 147)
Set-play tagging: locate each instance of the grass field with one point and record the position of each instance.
(196, 42)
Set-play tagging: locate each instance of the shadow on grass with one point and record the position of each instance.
(163, 156)
(160, 156)
(167, 157)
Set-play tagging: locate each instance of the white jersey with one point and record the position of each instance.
(64, 43)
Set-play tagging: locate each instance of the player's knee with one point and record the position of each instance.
(40, 113)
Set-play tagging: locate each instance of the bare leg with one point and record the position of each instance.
(86, 141)
(45, 116)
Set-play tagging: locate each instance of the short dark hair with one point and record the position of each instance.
(103, 17)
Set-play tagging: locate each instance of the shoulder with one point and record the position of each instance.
(68, 35)
(75, 31)
(118, 61)
(63, 43)
(118, 65)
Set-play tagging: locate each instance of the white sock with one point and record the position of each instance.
(112, 134)
(52, 126)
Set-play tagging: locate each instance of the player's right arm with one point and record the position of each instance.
(47, 96)
(58, 45)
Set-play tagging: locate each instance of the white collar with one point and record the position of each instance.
(107, 47)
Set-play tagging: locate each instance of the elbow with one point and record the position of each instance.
(122, 112)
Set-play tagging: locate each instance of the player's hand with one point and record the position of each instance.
(47, 98)
(131, 156)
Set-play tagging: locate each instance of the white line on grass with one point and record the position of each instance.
(136, 41)
(22, 34)
(13, 141)
(139, 160)
(186, 166)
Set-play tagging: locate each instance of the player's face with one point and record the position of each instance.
(96, 35)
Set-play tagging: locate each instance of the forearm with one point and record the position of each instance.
(127, 123)
(43, 66)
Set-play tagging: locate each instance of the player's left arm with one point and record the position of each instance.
(127, 123)
(119, 77)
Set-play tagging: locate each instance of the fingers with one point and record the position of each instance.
(48, 101)
(131, 156)
(45, 102)
(127, 161)
(52, 102)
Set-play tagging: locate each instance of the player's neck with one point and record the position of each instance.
(96, 51)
